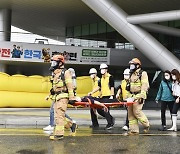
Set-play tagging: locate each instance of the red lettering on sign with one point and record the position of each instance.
(5, 52)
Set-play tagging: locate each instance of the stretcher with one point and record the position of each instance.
(89, 104)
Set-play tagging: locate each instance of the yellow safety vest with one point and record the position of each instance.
(95, 85)
(123, 87)
(105, 89)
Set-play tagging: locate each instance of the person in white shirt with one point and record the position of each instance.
(176, 93)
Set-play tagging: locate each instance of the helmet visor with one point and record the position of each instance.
(54, 63)
(132, 66)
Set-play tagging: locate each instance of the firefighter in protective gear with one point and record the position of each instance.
(68, 119)
(106, 87)
(137, 91)
(63, 89)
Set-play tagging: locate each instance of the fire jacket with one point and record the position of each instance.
(62, 85)
(139, 85)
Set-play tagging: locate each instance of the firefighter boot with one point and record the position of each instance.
(56, 137)
(146, 129)
(73, 129)
(130, 133)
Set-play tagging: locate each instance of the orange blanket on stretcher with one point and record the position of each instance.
(89, 104)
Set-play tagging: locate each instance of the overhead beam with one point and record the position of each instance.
(162, 29)
(154, 17)
(147, 44)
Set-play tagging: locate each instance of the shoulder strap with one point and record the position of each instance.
(62, 76)
(99, 83)
(140, 74)
(169, 87)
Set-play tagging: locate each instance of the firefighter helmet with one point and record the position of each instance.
(135, 61)
(92, 71)
(58, 58)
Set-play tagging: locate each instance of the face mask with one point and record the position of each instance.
(132, 68)
(103, 71)
(167, 77)
(173, 77)
(54, 65)
(126, 76)
(92, 76)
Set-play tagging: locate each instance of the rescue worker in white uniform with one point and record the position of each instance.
(137, 92)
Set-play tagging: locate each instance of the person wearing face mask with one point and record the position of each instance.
(121, 94)
(73, 74)
(52, 96)
(137, 88)
(176, 93)
(95, 80)
(63, 90)
(106, 87)
(166, 98)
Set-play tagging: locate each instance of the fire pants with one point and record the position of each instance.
(136, 115)
(60, 108)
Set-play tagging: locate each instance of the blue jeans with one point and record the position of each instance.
(51, 112)
(52, 115)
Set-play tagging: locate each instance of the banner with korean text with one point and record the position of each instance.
(15, 51)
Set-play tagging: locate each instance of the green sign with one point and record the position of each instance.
(94, 53)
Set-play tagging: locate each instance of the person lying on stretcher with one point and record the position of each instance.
(89, 99)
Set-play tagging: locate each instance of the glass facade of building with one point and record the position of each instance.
(98, 34)
(101, 34)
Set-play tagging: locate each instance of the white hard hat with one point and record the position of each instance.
(127, 71)
(92, 71)
(103, 66)
(72, 71)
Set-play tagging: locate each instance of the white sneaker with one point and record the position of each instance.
(125, 128)
(48, 132)
(48, 128)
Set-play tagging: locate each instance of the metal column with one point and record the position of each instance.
(154, 17)
(162, 29)
(5, 25)
(148, 45)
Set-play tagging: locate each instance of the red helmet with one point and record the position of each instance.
(58, 58)
(135, 61)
